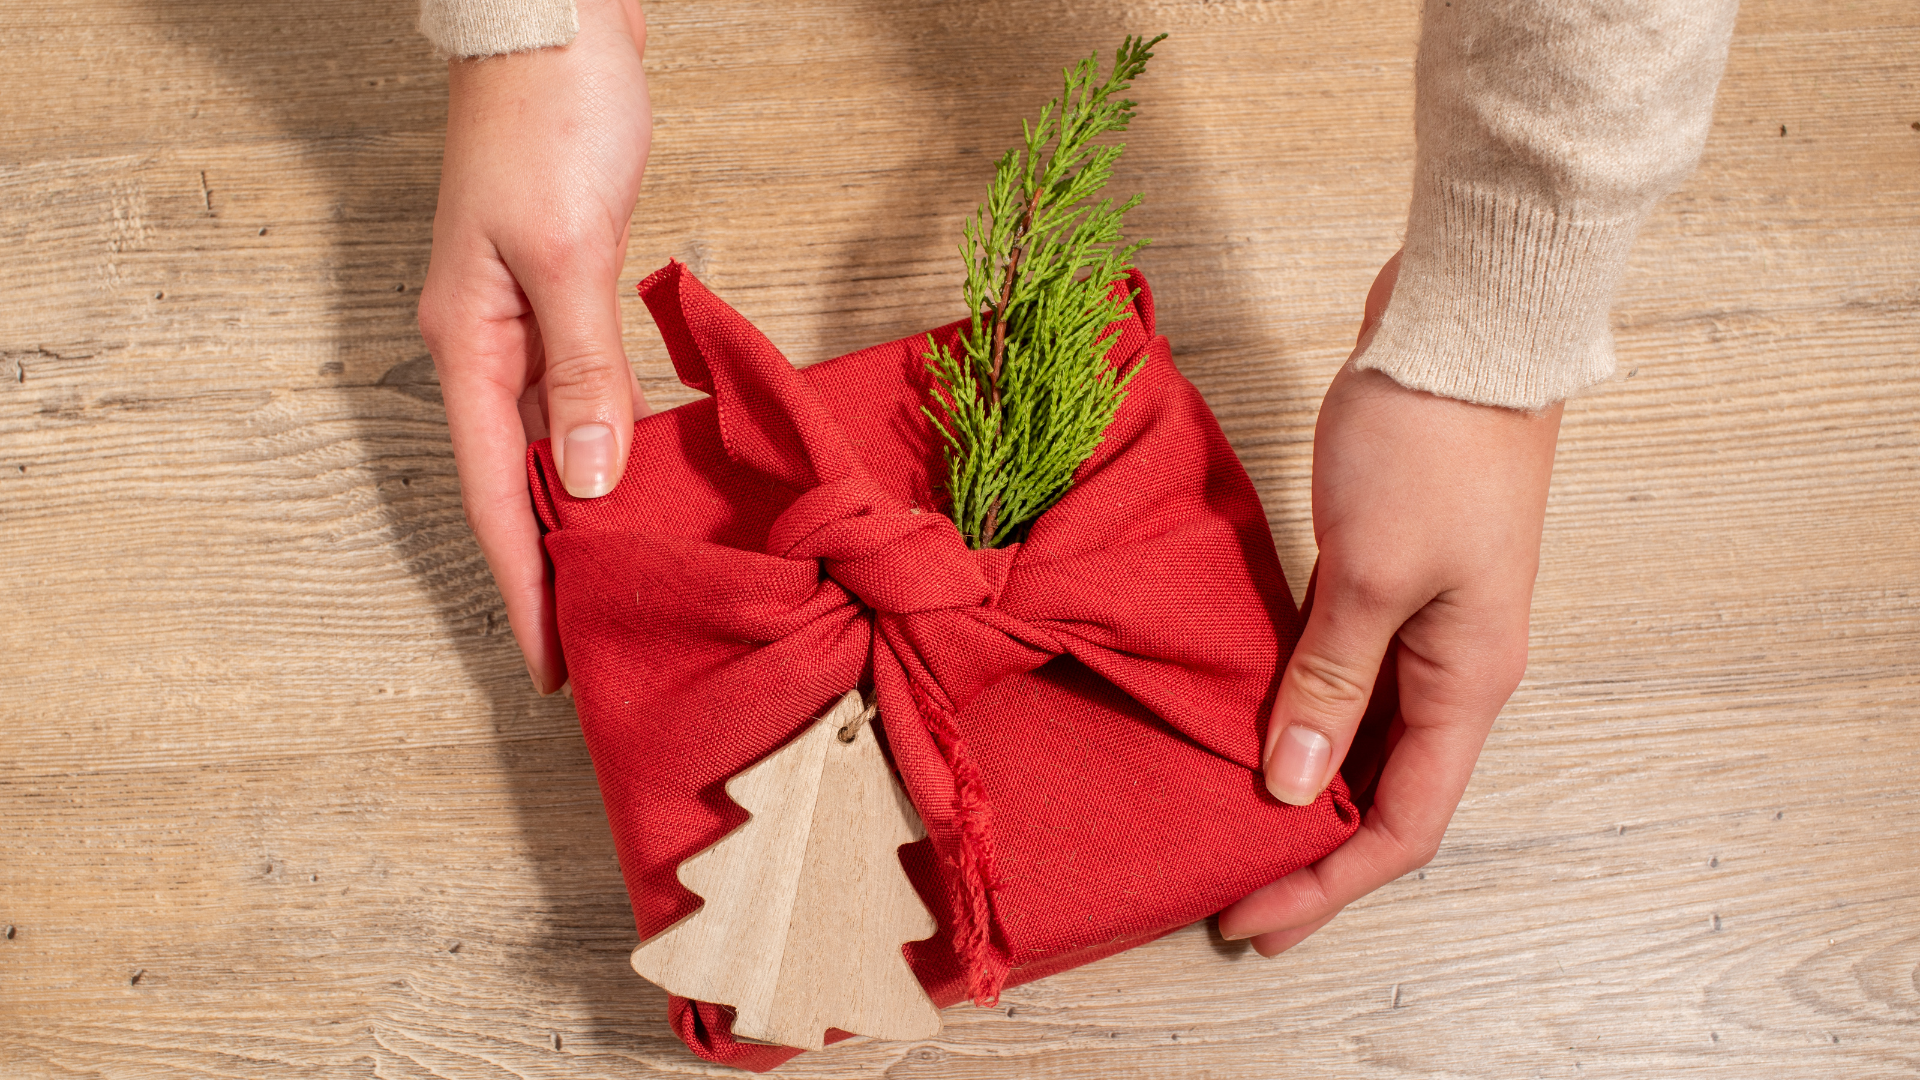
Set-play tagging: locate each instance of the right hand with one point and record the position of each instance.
(520, 309)
(1428, 514)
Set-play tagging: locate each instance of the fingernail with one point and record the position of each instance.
(537, 688)
(1297, 770)
(1236, 937)
(588, 470)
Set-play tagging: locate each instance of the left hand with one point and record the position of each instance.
(521, 307)
(1428, 514)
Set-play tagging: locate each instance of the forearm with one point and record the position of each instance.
(1547, 130)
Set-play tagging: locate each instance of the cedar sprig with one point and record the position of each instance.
(1029, 395)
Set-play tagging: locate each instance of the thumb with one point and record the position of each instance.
(590, 390)
(1329, 680)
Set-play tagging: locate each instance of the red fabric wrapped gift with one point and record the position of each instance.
(1078, 717)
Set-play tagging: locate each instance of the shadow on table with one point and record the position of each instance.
(356, 92)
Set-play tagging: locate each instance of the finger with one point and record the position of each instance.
(1272, 945)
(590, 388)
(1419, 789)
(1446, 710)
(484, 422)
(1398, 836)
(1324, 692)
(533, 406)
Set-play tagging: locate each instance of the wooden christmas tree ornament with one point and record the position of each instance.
(806, 904)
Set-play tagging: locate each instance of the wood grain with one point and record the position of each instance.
(276, 799)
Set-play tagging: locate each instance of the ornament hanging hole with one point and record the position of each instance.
(852, 730)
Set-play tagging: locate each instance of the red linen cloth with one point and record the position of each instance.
(1078, 717)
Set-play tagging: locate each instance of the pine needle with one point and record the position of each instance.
(1029, 395)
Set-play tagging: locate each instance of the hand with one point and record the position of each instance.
(520, 309)
(1428, 513)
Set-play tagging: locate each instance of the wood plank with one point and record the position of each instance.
(266, 746)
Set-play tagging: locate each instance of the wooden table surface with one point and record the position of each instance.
(276, 798)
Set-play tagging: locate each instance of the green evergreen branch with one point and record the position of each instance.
(1029, 395)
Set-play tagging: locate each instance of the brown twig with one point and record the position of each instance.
(1000, 326)
(1006, 296)
(1000, 334)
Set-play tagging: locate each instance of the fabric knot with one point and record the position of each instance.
(893, 557)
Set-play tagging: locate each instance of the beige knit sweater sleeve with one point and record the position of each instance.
(469, 28)
(1547, 130)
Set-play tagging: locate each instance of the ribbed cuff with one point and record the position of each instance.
(471, 28)
(1501, 301)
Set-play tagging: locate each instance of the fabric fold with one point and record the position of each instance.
(780, 542)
